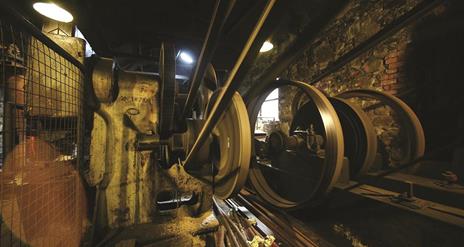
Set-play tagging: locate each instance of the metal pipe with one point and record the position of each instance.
(389, 30)
(221, 12)
(225, 95)
(7, 10)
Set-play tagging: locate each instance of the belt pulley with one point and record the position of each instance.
(402, 140)
(168, 89)
(224, 159)
(360, 139)
(307, 168)
(227, 150)
(298, 163)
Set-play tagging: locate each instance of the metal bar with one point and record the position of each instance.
(7, 10)
(404, 166)
(389, 30)
(245, 17)
(225, 95)
(273, 24)
(221, 12)
(240, 240)
(286, 229)
(431, 209)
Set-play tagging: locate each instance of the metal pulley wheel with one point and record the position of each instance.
(168, 89)
(210, 81)
(300, 99)
(306, 169)
(399, 131)
(206, 90)
(232, 138)
(227, 152)
(359, 136)
(105, 80)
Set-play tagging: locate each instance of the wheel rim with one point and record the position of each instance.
(334, 145)
(411, 126)
(360, 138)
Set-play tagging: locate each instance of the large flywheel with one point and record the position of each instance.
(224, 159)
(231, 149)
(298, 163)
(398, 129)
(360, 139)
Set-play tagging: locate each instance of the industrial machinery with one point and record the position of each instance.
(137, 123)
(311, 139)
(159, 166)
(328, 140)
(147, 154)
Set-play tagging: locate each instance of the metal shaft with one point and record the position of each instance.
(221, 12)
(225, 95)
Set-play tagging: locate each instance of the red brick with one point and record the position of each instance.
(387, 77)
(394, 87)
(394, 65)
(394, 53)
(388, 82)
(386, 87)
(391, 60)
(391, 71)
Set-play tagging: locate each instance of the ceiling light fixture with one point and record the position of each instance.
(53, 11)
(186, 58)
(267, 46)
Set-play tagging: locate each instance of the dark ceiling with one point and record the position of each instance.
(117, 28)
(138, 27)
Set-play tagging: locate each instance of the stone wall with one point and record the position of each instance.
(419, 64)
(379, 68)
(386, 67)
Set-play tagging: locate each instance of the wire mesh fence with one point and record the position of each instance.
(41, 198)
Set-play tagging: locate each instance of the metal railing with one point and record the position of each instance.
(41, 96)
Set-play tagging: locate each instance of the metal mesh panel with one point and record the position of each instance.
(41, 200)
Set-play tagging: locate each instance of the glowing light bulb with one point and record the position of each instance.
(53, 11)
(267, 46)
(186, 58)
